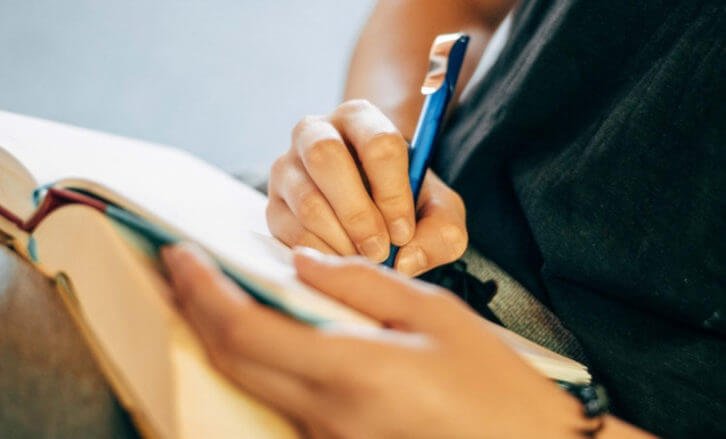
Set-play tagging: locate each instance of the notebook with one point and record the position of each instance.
(53, 177)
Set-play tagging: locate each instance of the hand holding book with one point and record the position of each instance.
(436, 370)
(56, 187)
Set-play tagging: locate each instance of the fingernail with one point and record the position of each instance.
(375, 248)
(400, 231)
(411, 261)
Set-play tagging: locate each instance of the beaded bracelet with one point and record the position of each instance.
(594, 401)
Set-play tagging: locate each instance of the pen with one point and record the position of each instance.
(445, 60)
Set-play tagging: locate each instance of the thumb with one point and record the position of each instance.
(379, 293)
(441, 235)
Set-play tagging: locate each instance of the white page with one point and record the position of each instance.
(179, 187)
(169, 187)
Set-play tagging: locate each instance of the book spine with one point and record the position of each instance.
(53, 199)
(8, 215)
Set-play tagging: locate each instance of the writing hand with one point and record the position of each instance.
(343, 188)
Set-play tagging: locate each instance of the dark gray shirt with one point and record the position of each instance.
(592, 159)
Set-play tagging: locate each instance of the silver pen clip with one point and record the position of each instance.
(439, 62)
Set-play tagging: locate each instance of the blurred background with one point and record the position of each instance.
(224, 79)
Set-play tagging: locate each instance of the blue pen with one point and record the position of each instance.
(445, 60)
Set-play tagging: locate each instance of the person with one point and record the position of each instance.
(587, 163)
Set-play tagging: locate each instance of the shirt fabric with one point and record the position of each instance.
(592, 162)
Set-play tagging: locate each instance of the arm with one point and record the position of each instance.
(391, 56)
(435, 370)
(343, 185)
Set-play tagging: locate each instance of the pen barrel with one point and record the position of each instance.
(423, 143)
(432, 113)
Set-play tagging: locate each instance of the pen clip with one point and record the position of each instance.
(445, 59)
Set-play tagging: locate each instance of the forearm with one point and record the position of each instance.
(391, 56)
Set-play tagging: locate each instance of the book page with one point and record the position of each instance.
(16, 186)
(154, 361)
(169, 188)
(172, 189)
(166, 183)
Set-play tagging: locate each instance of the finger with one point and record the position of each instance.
(317, 431)
(376, 292)
(383, 154)
(287, 394)
(285, 226)
(289, 181)
(331, 166)
(227, 320)
(441, 235)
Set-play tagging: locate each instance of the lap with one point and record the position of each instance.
(49, 384)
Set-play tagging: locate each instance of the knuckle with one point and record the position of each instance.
(455, 239)
(310, 206)
(293, 236)
(374, 384)
(304, 123)
(200, 279)
(352, 381)
(395, 204)
(278, 167)
(340, 379)
(229, 334)
(271, 214)
(385, 147)
(457, 200)
(280, 229)
(321, 152)
(353, 106)
(299, 235)
(357, 219)
(277, 171)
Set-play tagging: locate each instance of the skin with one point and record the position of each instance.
(392, 53)
(342, 187)
(433, 369)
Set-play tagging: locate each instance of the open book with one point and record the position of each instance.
(52, 178)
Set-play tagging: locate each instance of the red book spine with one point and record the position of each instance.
(11, 217)
(54, 198)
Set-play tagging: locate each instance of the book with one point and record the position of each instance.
(54, 182)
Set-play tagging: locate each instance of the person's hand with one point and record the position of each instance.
(432, 370)
(343, 188)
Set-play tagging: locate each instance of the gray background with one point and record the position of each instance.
(224, 79)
